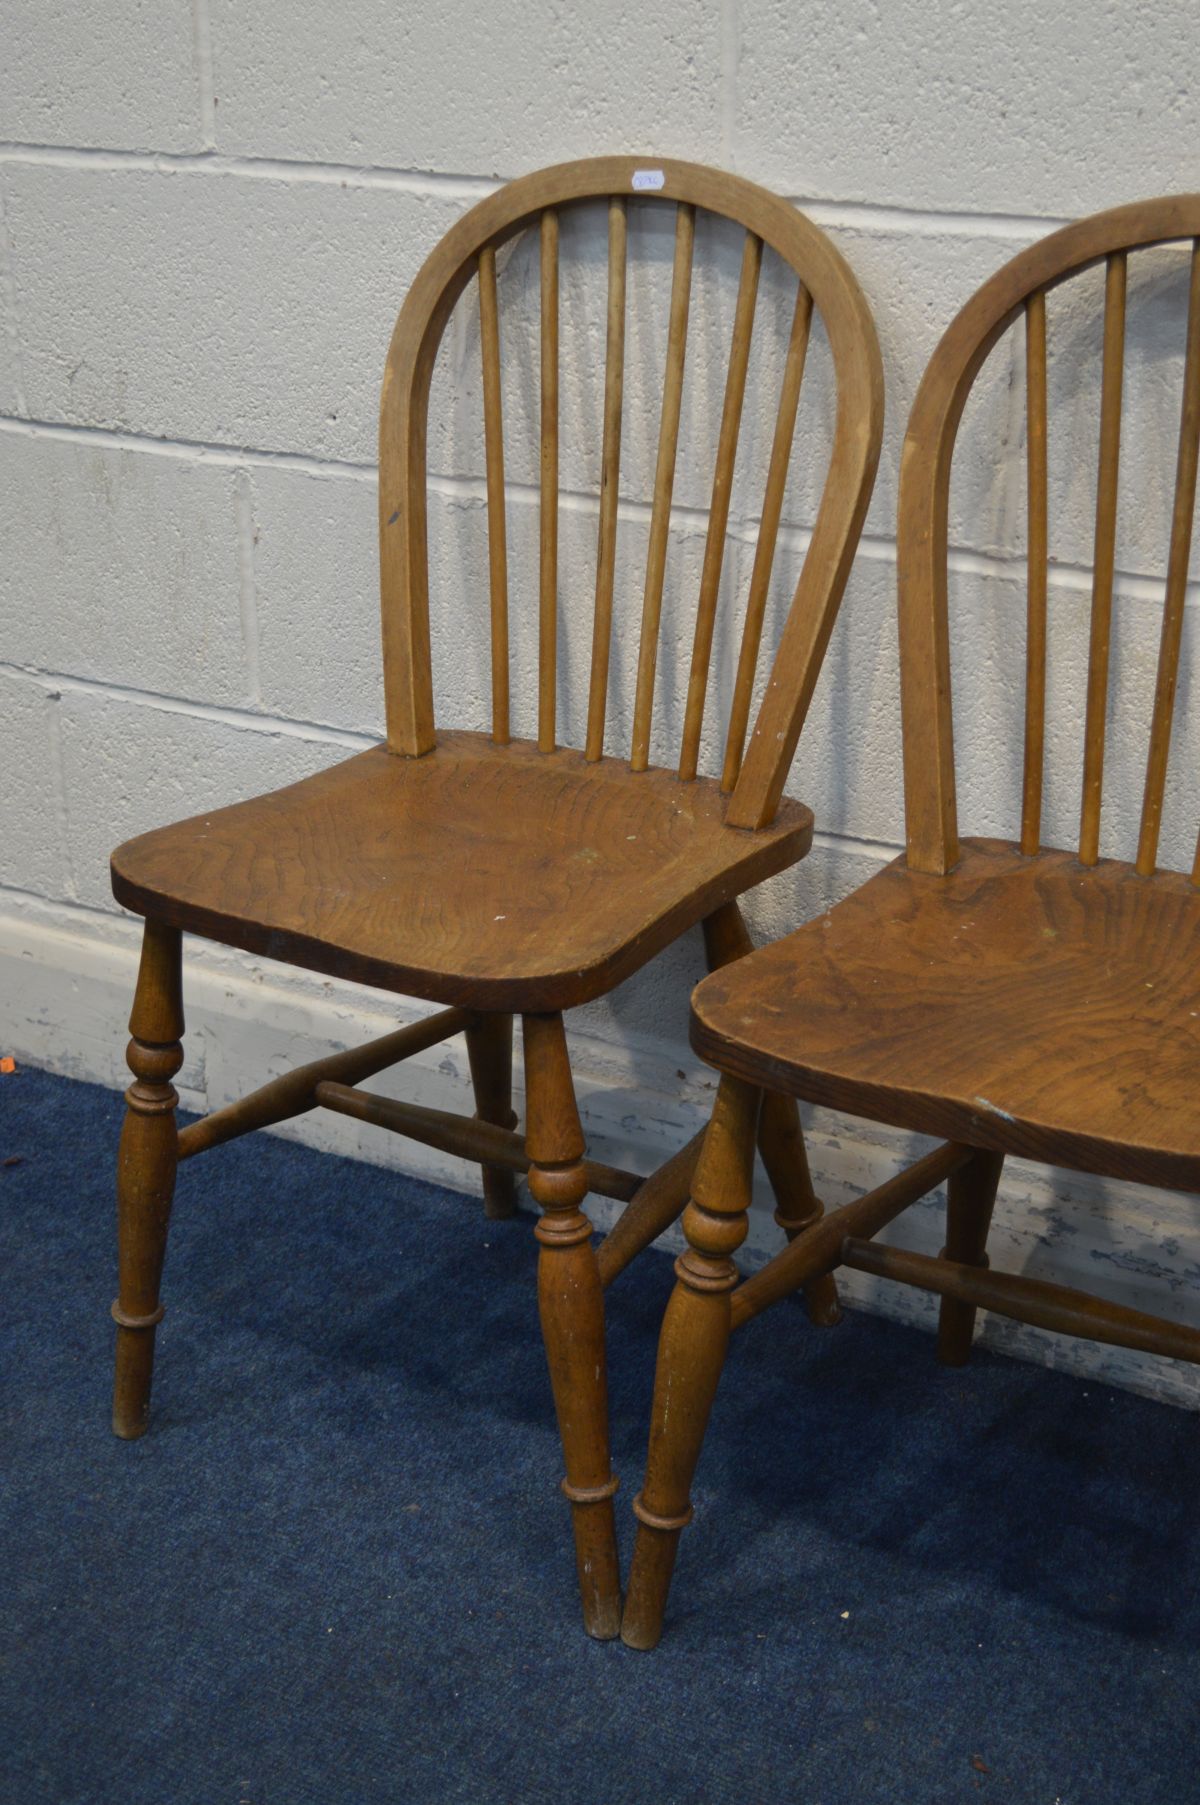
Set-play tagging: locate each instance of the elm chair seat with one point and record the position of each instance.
(1034, 1006)
(497, 877)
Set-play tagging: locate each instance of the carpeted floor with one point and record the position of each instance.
(338, 1567)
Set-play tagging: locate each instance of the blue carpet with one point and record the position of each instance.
(337, 1569)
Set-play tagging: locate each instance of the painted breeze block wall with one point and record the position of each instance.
(209, 216)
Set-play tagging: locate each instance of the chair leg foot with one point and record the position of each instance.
(691, 1355)
(970, 1199)
(571, 1307)
(133, 1373)
(650, 1577)
(489, 1050)
(146, 1163)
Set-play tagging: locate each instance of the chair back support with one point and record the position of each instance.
(754, 769)
(1019, 291)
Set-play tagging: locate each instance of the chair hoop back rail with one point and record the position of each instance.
(923, 549)
(845, 1011)
(422, 835)
(754, 773)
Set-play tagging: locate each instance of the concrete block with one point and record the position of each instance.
(455, 89)
(213, 308)
(848, 763)
(915, 282)
(1057, 114)
(10, 373)
(456, 407)
(316, 597)
(32, 852)
(124, 78)
(988, 652)
(130, 766)
(316, 563)
(120, 566)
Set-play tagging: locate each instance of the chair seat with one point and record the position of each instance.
(1031, 1005)
(495, 876)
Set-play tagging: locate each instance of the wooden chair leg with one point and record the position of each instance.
(146, 1162)
(780, 1136)
(781, 1143)
(489, 1049)
(571, 1305)
(691, 1353)
(970, 1199)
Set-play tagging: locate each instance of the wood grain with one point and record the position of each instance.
(1103, 556)
(1034, 1006)
(691, 1353)
(768, 533)
(1057, 1308)
(1036, 560)
(1182, 520)
(491, 876)
(610, 476)
(664, 485)
(493, 435)
(146, 1165)
(571, 1307)
(548, 550)
(718, 507)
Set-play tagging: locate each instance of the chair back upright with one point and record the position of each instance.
(755, 759)
(1018, 292)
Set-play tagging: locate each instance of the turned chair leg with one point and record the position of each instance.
(489, 1049)
(970, 1199)
(781, 1144)
(146, 1162)
(780, 1136)
(571, 1305)
(691, 1353)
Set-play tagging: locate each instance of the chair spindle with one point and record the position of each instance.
(1037, 555)
(493, 433)
(548, 561)
(1103, 557)
(718, 513)
(1177, 574)
(768, 530)
(664, 482)
(610, 471)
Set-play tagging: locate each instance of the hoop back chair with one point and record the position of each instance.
(1009, 996)
(498, 876)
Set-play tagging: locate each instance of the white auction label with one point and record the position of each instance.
(648, 178)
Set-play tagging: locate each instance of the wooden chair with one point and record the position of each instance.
(501, 877)
(1005, 995)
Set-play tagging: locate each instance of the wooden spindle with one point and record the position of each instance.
(1037, 554)
(571, 1307)
(146, 1166)
(1177, 574)
(493, 434)
(718, 513)
(664, 482)
(548, 563)
(768, 531)
(1103, 557)
(610, 471)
